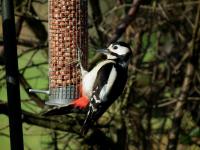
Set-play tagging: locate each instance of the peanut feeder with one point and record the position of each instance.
(67, 25)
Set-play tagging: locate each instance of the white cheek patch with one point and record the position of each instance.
(121, 50)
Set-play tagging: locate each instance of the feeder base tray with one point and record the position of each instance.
(62, 96)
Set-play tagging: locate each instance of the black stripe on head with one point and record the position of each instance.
(122, 57)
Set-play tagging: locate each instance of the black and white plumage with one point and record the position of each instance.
(105, 82)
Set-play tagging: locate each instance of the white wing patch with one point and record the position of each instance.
(107, 87)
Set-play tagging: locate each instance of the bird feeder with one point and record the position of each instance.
(67, 25)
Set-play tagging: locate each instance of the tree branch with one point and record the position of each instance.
(179, 108)
(121, 28)
(62, 123)
(33, 96)
(97, 18)
(181, 100)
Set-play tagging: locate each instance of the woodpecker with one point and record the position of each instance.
(104, 83)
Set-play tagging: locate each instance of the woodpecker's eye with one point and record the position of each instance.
(115, 47)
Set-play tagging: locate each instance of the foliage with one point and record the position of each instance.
(159, 108)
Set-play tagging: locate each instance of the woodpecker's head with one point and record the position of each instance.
(119, 51)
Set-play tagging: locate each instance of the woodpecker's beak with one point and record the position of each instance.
(104, 51)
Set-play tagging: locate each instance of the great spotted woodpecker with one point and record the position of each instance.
(104, 83)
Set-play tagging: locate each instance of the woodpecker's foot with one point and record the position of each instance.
(94, 104)
(79, 64)
(80, 55)
(93, 107)
(96, 101)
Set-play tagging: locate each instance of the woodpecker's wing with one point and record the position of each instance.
(106, 77)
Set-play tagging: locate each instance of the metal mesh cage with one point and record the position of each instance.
(67, 32)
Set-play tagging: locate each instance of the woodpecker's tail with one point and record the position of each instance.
(88, 122)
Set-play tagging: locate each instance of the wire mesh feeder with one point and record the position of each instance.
(67, 33)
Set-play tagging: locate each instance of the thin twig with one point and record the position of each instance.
(179, 108)
(125, 22)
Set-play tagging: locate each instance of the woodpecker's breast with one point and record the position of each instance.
(90, 78)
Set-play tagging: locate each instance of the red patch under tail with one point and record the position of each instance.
(81, 102)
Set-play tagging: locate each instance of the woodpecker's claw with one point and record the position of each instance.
(80, 54)
(79, 57)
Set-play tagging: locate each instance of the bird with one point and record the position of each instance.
(104, 83)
